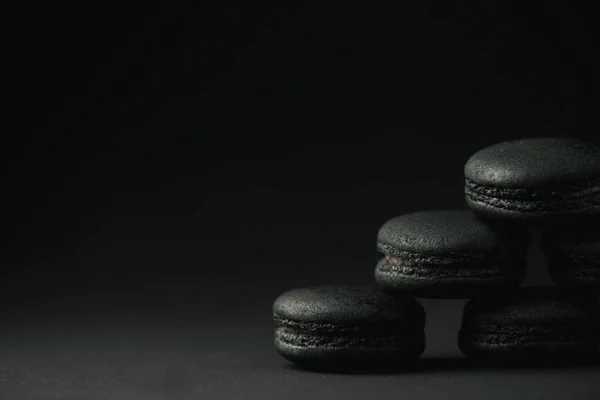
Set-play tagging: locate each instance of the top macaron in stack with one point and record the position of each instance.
(534, 180)
(477, 254)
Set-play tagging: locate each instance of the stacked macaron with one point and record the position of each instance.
(478, 254)
(552, 184)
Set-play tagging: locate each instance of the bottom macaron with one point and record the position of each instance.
(534, 324)
(348, 328)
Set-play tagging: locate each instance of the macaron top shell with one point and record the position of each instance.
(352, 305)
(533, 163)
(447, 232)
(534, 306)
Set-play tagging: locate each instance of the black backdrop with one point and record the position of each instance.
(142, 111)
(220, 145)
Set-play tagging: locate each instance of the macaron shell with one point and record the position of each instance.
(534, 325)
(573, 240)
(535, 352)
(430, 287)
(357, 358)
(533, 306)
(312, 328)
(448, 232)
(534, 163)
(347, 305)
(575, 280)
(573, 255)
(493, 214)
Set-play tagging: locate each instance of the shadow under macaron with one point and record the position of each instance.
(379, 368)
(452, 363)
(462, 363)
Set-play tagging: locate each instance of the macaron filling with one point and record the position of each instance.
(507, 335)
(473, 259)
(534, 200)
(396, 266)
(330, 329)
(292, 337)
(578, 266)
(328, 335)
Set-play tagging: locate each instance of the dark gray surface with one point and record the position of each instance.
(170, 311)
(129, 359)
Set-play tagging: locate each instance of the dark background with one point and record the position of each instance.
(170, 171)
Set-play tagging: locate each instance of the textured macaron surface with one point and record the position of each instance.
(573, 256)
(354, 306)
(449, 233)
(343, 326)
(561, 163)
(532, 306)
(534, 320)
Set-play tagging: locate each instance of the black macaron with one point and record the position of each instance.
(534, 179)
(533, 324)
(449, 254)
(348, 327)
(573, 254)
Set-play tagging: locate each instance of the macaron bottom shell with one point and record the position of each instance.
(532, 212)
(583, 277)
(458, 283)
(488, 351)
(535, 325)
(349, 354)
